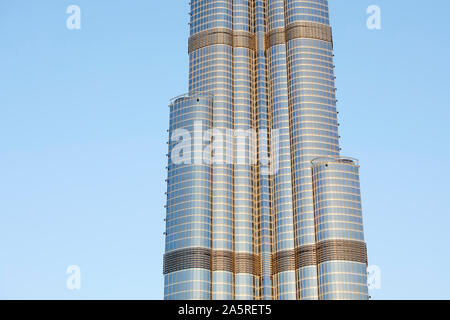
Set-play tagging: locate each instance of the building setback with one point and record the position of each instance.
(287, 225)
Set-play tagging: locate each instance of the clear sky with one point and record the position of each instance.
(83, 120)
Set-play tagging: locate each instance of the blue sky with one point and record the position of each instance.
(83, 120)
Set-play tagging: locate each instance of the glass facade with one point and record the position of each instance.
(188, 219)
(261, 205)
(339, 229)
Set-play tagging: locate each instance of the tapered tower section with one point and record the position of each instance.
(341, 250)
(260, 205)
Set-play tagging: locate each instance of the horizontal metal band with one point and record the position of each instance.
(309, 30)
(298, 30)
(222, 261)
(283, 261)
(275, 37)
(236, 262)
(247, 263)
(223, 36)
(201, 258)
(306, 256)
(189, 258)
(340, 250)
(242, 39)
(291, 260)
(344, 250)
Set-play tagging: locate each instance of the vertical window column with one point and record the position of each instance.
(283, 253)
(245, 252)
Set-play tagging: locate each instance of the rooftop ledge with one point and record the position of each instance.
(344, 160)
(191, 96)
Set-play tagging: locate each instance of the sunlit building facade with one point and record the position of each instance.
(276, 215)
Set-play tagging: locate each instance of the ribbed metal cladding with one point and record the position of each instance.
(308, 30)
(345, 250)
(275, 37)
(209, 38)
(242, 39)
(332, 250)
(248, 263)
(239, 39)
(228, 261)
(283, 261)
(222, 261)
(190, 258)
(304, 30)
(305, 256)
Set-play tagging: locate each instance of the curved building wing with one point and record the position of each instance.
(260, 204)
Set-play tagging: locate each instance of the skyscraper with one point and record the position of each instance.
(260, 204)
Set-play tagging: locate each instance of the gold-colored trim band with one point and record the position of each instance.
(275, 37)
(309, 30)
(306, 256)
(236, 262)
(283, 261)
(330, 250)
(222, 261)
(298, 30)
(237, 39)
(291, 260)
(189, 258)
(345, 250)
(201, 258)
(247, 263)
(242, 39)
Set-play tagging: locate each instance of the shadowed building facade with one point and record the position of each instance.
(234, 229)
